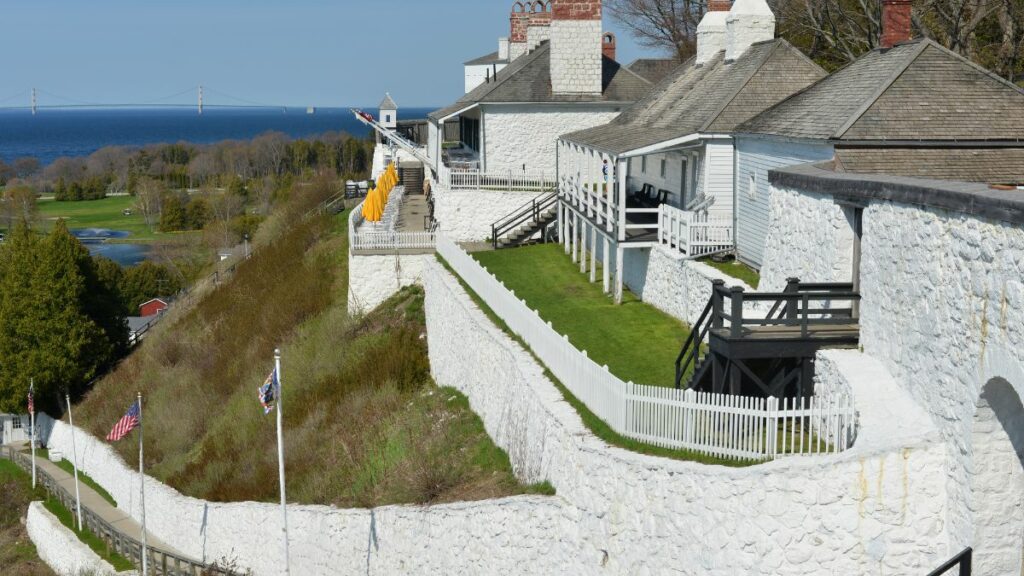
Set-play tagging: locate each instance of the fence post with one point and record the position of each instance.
(736, 324)
(717, 286)
(773, 427)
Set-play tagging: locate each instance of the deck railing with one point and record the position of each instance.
(497, 180)
(384, 235)
(725, 426)
(160, 562)
(695, 234)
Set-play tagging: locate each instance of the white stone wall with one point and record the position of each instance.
(372, 279)
(576, 57)
(479, 73)
(467, 215)
(535, 35)
(509, 535)
(665, 279)
(60, 548)
(878, 508)
(944, 310)
(518, 135)
(810, 237)
(515, 50)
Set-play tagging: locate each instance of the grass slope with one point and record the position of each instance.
(638, 342)
(738, 270)
(364, 424)
(18, 555)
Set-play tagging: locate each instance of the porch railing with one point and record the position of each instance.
(721, 425)
(384, 235)
(695, 234)
(497, 181)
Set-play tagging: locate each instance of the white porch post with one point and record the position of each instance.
(593, 254)
(623, 174)
(583, 246)
(619, 257)
(606, 269)
(572, 233)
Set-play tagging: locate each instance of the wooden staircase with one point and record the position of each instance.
(758, 352)
(525, 222)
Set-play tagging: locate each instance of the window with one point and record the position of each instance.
(752, 186)
(643, 164)
(16, 423)
(664, 164)
(387, 118)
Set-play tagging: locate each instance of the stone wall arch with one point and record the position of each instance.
(995, 470)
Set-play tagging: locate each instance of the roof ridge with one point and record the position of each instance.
(883, 87)
(732, 95)
(523, 61)
(976, 66)
(621, 67)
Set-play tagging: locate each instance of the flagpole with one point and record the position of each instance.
(32, 417)
(280, 458)
(142, 487)
(74, 455)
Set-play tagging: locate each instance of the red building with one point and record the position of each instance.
(154, 306)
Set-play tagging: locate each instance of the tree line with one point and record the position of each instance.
(836, 32)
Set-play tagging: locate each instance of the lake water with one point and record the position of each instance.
(95, 239)
(55, 133)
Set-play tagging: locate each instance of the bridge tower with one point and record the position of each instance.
(34, 102)
(200, 99)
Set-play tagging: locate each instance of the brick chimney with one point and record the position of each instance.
(576, 47)
(519, 22)
(895, 22)
(608, 44)
(538, 27)
(711, 32)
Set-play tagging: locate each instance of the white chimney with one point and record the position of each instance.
(749, 22)
(576, 47)
(711, 32)
(503, 48)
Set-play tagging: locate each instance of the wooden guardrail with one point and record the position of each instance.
(160, 562)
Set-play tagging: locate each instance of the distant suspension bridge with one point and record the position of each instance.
(36, 99)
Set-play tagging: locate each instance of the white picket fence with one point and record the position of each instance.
(694, 233)
(731, 427)
(496, 181)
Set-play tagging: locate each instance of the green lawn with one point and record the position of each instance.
(120, 563)
(638, 342)
(105, 213)
(736, 269)
(84, 478)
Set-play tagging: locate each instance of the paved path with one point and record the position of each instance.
(94, 502)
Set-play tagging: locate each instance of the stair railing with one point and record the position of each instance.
(529, 212)
(689, 355)
(962, 562)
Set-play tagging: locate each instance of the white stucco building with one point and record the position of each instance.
(561, 76)
(663, 171)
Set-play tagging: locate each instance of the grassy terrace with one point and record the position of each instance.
(84, 478)
(736, 269)
(638, 342)
(105, 213)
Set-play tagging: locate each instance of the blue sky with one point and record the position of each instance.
(293, 52)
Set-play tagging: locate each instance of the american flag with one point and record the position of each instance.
(126, 424)
(268, 391)
(31, 399)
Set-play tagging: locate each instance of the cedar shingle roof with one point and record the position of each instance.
(491, 58)
(528, 79)
(716, 96)
(387, 103)
(654, 69)
(975, 164)
(914, 91)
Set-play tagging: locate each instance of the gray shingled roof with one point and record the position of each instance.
(914, 91)
(991, 165)
(654, 69)
(387, 103)
(528, 79)
(716, 96)
(491, 58)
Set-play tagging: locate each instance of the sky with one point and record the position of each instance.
(284, 52)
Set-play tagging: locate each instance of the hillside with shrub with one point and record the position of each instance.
(364, 424)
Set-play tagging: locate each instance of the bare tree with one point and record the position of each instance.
(667, 25)
(112, 161)
(19, 204)
(148, 198)
(225, 206)
(26, 167)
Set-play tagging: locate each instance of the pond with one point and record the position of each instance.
(96, 240)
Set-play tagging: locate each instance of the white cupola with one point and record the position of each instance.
(388, 112)
(749, 22)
